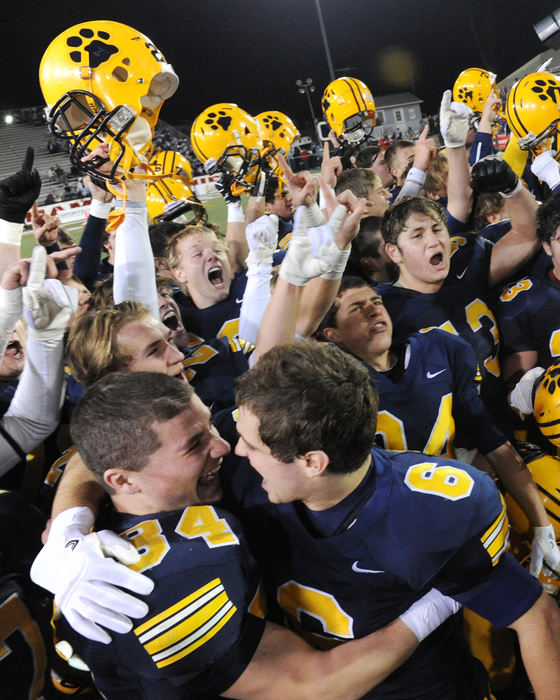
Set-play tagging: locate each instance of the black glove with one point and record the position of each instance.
(224, 188)
(493, 174)
(19, 191)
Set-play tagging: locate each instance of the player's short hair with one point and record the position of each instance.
(486, 204)
(92, 349)
(358, 180)
(392, 151)
(312, 396)
(173, 254)
(64, 239)
(113, 423)
(395, 218)
(160, 234)
(436, 175)
(273, 189)
(329, 319)
(548, 218)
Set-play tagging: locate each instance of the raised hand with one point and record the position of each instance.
(20, 190)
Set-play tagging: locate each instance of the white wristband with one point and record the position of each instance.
(235, 213)
(315, 215)
(338, 266)
(416, 175)
(10, 301)
(10, 232)
(322, 200)
(426, 614)
(100, 209)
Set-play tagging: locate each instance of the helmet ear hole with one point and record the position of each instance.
(120, 74)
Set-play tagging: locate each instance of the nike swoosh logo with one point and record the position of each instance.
(460, 276)
(431, 375)
(238, 301)
(359, 570)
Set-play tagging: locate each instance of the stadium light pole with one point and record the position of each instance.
(325, 40)
(304, 88)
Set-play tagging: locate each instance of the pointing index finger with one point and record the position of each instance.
(28, 159)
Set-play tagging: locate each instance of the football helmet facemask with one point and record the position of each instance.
(533, 111)
(349, 109)
(105, 82)
(226, 139)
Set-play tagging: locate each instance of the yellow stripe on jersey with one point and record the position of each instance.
(284, 242)
(496, 539)
(187, 625)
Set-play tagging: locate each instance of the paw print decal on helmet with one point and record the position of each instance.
(99, 51)
(218, 119)
(551, 91)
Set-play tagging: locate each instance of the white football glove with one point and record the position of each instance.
(426, 614)
(544, 550)
(521, 397)
(80, 569)
(312, 250)
(453, 121)
(546, 169)
(262, 239)
(47, 304)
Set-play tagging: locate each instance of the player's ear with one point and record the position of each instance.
(393, 253)
(547, 248)
(316, 462)
(120, 480)
(331, 334)
(179, 275)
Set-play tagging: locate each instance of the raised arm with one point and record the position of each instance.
(454, 121)
(493, 174)
(17, 194)
(35, 409)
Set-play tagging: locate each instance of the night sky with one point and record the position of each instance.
(252, 51)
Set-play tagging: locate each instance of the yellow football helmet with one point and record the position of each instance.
(277, 128)
(170, 199)
(546, 405)
(545, 470)
(105, 82)
(533, 111)
(174, 164)
(473, 87)
(226, 138)
(349, 109)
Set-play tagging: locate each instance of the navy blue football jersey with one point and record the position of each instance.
(428, 394)
(415, 522)
(529, 318)
(200, 633)
(219, 320)
(212, 367)
(459, 307)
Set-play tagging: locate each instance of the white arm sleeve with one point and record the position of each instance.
(255, 300)
(134, 271)
(35, 409)
(413, 184)
(10, 311)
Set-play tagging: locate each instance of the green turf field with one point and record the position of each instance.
(216, 208)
